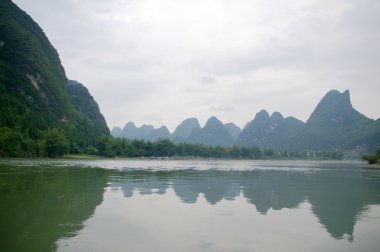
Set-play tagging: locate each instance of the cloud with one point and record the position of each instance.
(223, 108)
(159, 62)
(207, 79)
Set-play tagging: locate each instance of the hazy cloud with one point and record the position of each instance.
(223, 108)
(161, 61)
(207, 79)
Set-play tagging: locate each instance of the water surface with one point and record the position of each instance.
(134, 205)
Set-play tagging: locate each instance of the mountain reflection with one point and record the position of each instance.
(41, 205)
(338, 196)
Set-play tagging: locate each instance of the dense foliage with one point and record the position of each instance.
(372, 158)
(37, 107)
(121, 147)
(50, 143)
(85, 104)
(53, 143)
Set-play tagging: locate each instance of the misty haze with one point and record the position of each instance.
(158, 125)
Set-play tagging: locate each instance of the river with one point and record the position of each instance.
(192, 205)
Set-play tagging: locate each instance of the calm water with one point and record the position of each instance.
(142, 206)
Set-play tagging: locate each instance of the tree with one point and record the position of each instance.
(56, 143)
(373, 158)
(10, 143)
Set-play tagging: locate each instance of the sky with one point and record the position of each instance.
(161, 61)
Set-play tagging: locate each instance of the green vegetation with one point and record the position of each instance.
(121, 147)
(372, 158)
(50, 143)
(42, 205)
(41, 114)
(53, 143)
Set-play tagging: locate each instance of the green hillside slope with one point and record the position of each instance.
(34, 101)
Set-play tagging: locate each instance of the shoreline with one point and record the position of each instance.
(185, 158)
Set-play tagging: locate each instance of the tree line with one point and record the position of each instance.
(120, 147)
(49, 143)
(372, 158)
(53, 143)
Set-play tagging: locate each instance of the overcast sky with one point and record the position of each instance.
(161, 61)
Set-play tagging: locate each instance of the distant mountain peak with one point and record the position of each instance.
(262, 114)
(233, 130)
(146, 132)
(337, 98)
(213, 118)
(213, 133)
(261, 118)
(269, 131)
(212, 121)
(163, 127)
(191, 120)
(116, 131)
(160, 133)
(335, 108)
(130, 125)
(147, 126)
(185, 128)
(277, 116)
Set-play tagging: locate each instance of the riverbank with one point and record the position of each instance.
(81, 156)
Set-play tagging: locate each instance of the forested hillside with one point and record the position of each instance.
(38, 116)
